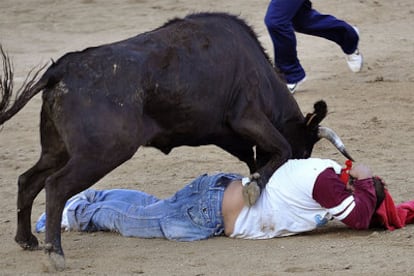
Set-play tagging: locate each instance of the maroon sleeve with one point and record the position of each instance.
(357, 207)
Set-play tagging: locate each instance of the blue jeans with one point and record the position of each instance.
(193, 213)
(284, 17)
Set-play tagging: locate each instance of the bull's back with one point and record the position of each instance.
(181, 78)
(202, 66)
(201, 60)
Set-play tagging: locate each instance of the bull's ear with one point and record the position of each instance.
(312, 120)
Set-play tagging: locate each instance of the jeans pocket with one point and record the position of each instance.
(199, 216)
(190, 224)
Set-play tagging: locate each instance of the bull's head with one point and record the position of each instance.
(314, 132)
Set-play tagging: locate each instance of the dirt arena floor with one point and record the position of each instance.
(371, 110)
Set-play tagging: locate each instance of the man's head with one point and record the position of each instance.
(386, 215)
(380, 215)
(379, 190)
(379, 186)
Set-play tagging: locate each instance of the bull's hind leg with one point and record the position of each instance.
(81, 172)
(29, 185)
(32, 182)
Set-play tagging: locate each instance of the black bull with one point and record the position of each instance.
(204, 79)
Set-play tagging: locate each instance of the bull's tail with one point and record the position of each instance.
(31, 86)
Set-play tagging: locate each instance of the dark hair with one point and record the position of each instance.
(379, 186)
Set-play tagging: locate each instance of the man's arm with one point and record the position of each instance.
(353, 205)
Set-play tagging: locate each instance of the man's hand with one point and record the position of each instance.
(360, 171)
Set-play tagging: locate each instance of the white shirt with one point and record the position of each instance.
(286, 206)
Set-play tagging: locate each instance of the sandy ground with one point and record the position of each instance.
(372, 111)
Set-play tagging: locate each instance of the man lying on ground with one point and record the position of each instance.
(301, 195)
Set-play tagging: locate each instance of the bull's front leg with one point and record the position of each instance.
(253, 186)
(271, 146)
(251, 190)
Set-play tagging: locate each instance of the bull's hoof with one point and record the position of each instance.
(251, 193)
(28, 244)
(57, 261)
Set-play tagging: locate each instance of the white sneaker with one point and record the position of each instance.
(293, 86)
(355, 59)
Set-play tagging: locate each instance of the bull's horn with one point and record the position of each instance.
(330, 135)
